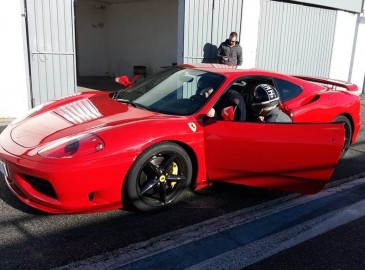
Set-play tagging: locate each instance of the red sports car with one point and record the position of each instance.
(143, 146)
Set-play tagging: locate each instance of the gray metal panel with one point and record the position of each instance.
(295, 39)
(349, 5)
(52, 49)
(207, 23)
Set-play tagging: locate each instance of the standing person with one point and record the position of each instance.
(230, 52)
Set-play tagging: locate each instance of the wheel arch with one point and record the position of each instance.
(193, 158)
(349, 117)
(189, 150)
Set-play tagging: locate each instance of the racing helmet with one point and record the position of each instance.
(265, 96)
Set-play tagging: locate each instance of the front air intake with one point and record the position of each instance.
(41, 185)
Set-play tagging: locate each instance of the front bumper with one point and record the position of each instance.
(67, 187)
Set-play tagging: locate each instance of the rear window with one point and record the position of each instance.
(287, 90)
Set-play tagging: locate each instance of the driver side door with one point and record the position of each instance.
(296, 157)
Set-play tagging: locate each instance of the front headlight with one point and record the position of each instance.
(79, 145)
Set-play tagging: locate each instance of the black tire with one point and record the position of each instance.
(348, 132)
(158, 177)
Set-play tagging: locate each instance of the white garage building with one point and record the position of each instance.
(48, 44)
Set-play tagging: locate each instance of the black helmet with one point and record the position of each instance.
(265, 96)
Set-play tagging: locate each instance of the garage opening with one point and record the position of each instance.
(121, 37)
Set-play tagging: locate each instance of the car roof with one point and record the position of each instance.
(235, 72)
(225, 69)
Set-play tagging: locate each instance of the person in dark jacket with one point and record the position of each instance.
(265, 105)
(230, 98)
(230, 52)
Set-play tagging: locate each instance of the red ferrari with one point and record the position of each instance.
(143, 146)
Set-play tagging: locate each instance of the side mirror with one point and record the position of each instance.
(228, 113)
(124, 81)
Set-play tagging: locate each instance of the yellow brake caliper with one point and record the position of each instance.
(174, 170)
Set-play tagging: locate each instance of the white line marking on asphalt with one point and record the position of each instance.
(275, 243)
(171, 240)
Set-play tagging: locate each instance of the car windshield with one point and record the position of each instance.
(174, 90)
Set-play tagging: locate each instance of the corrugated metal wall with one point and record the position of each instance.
(52, 49)
(295, 39)
(207, 23)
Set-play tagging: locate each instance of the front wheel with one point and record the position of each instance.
(348, 132)
(158, 177)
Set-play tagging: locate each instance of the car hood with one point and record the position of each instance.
(74, 115)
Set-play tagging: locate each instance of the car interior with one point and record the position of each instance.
(245, 87)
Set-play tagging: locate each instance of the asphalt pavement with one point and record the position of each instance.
(242, 238)
(341, 248)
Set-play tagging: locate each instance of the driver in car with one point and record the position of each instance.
(265, 105)
(232, 98)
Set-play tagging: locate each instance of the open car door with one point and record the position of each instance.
(295, 157)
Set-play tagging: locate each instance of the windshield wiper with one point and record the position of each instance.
(134, 104)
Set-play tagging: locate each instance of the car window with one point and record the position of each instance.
(245, 86)
(287, 90)
(176, 91)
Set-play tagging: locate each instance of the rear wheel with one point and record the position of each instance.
(348, 132)
(159, 177)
